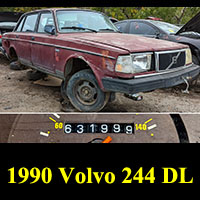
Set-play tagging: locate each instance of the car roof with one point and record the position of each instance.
(127, 20)
(8, 23)
(68, 9)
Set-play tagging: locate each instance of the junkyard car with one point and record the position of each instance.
(6, 27)
(93, 59)
(8, 21)
(188, 34)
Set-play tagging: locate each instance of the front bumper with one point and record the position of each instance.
(151, 82)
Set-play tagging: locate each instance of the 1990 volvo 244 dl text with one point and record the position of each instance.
(95, 61)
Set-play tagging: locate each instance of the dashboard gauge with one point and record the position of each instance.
(84, 128)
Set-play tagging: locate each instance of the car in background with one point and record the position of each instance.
(188, 34)
(113, 20)
(6, 27)
(8, 21)
(154, 18)
(94, 60)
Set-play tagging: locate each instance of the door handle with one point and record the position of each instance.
(32, 38)
(17, 36)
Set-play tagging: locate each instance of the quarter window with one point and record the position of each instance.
(19, 28)
(29, 25)
(45, 19)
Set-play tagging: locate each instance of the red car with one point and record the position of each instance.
(95, 61)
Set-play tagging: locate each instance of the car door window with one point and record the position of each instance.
(141, 29)
(29, 25)
(45, 19)
(121, 26)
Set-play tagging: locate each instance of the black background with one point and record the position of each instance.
(107, 157)
(101, 158)
(99, 3)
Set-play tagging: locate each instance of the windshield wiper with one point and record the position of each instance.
(79, 28)
(108, 29)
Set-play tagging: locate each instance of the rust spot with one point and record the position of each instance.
(57, 57)
(106, 61)
(104, 53)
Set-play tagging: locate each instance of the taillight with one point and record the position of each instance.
(0, 36)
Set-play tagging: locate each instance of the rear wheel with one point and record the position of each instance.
(16, 65)
(35, 75)
(84, 92)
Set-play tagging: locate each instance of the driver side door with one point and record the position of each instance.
(23, 36)
(42, 47)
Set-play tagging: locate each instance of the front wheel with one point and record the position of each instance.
(84, 92)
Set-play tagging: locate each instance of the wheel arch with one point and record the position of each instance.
(12, 54)
(77, 63)
(74, 64)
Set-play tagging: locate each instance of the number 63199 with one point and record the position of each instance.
(99, 128)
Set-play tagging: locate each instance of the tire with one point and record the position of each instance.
(84, 92)
(63, 91)
(17, 66)
(35, 75)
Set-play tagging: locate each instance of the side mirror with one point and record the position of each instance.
(50, 29)
(157, 36)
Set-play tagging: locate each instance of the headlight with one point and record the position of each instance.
(188, 59)
(133, 63)
(141, 63)
(124, 64)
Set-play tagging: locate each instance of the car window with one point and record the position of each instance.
(45, 19)
(19, 28)
(141, 29)
(121, 26)
(169, 28)
(83, 19)
(29, 25)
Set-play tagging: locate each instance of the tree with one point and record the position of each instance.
(175, 15)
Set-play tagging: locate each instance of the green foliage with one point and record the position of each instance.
(175, 15)
(18, 9)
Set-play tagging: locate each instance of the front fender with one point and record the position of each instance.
(100, 66)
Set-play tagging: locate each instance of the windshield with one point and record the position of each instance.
(169, 28)
(83, 21)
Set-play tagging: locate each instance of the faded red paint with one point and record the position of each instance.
(57, 57)
(104, 44)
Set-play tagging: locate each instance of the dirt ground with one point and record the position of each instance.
(18, 94)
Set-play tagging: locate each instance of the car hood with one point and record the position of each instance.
(193, 25)
(127, 42)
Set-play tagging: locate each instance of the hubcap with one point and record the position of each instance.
(86, 92)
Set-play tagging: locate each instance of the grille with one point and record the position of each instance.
(170, 60)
